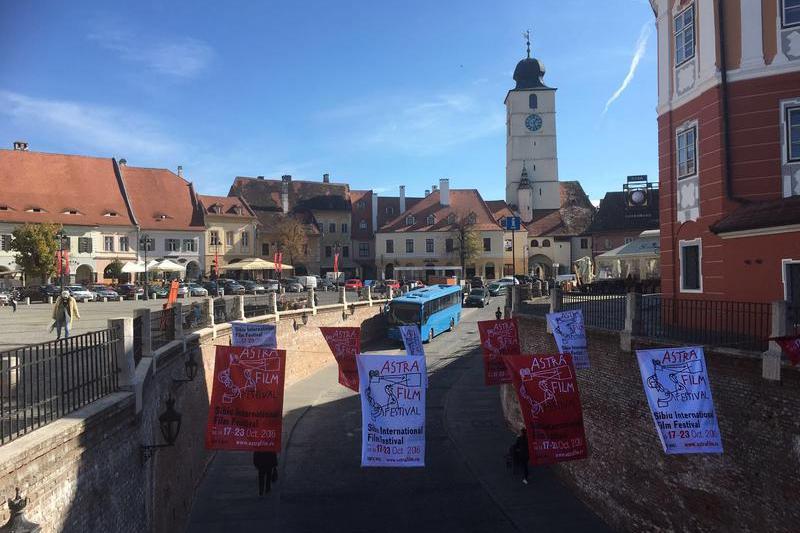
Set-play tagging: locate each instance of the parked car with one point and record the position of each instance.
(80, 293)
(292, 285)
(477, 298)
(4, 298)
(233, 287)
(511, 280)
(195, 289)
(253, 287)
(127, 290)
(309, 282)
(353, 284)
(497, 288)
(392, 284)
(183, 290)
(213, 288)
(104, 291)
(271, 285)
(524, 278)
(158, 291)
(477, 282)
(324, 284)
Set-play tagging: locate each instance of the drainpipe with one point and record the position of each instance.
(723, 65)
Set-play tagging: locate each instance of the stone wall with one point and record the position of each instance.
(86, 472)
(635, 486)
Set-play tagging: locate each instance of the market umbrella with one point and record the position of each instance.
(132, 267)
(167, 266)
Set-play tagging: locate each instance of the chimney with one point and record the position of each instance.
(21, 146)
(374, 212)
(285, 181)
(427, 192)
(123, 162)
(444, 195)
(180, 171)
(402, 198)
(434, 188)
(326, 178)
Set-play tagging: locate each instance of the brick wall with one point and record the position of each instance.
(634, 486)
(84, 473)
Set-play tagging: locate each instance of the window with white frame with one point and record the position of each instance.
(345, 228)
(409, 246)
(684, 35)
(84, 245)
(124, 244)
(793, 132)
(245, 240)
(687, 152)
(430, 220)
(229, 238)
(429, 246)
(362, 224)
(213, 238)
(691, 266)
(108, 243)
(790, 13)
(189, 245)
(410, 220)
(172, 245)
(389, 246)
(363, 249)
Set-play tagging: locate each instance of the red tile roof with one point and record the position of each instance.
(463, 202)
(771, 214)
(389, 207)
(229, 206)
(161, 200)
(574, 217)
(265, 194)
(57, 183)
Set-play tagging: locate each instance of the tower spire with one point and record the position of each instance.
(527, 36)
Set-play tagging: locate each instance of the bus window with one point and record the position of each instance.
(402, 313)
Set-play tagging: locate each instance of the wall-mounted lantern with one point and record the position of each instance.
(170, 423)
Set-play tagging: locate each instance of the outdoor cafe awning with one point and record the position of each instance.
(167, 266)
(254, 263)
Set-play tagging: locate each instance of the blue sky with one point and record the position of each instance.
(378, 94)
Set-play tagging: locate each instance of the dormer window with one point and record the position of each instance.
(35, 210)
(110, 214)
(451, 218)
(472, 218)
(4, 208)
(361, 204)
(410, 220)
(237, 209)
(430, 220)
(390, 210)
(161, 216)
(216, 208)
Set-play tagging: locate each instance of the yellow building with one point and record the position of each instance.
(230, 231)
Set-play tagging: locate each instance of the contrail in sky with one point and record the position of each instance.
(641, 46)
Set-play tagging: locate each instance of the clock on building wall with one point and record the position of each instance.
(533, 122)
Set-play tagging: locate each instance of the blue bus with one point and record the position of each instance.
(432, 309)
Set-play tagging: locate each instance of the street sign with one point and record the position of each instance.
(513, 223)
(637, 178)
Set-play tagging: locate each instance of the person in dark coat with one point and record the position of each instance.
(520, 451)
(267, 465)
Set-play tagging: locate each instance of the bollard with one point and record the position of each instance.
(126, 366)
(274, 304)
(50, 300)
(135, 296)
(369, 295)
(27, 300)
(105, 299)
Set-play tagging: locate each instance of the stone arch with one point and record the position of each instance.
(84, 274)
(192, 270)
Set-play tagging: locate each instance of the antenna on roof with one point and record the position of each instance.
(527, 36)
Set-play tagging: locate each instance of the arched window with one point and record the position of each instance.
(431, 220)
(546, 243)
(533, 102)
(362, 224)
(451, 218)
(534, 243)
(410, 221)
(472, 218)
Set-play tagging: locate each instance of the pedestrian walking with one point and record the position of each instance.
(519, 451)
(64, 310)
(267, 465)
(498, 314)
(12, 299)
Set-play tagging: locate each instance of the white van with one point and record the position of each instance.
(309, 282)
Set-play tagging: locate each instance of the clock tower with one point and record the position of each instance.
(531, 156)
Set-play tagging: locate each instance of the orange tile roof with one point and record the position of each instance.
(57, 183)
(228, 206)
(161, 200)
(462, 203)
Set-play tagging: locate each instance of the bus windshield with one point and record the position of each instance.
(403, 313)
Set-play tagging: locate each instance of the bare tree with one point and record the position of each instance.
(468, 239)
(291, 238)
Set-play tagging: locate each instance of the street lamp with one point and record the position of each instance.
(144, 243)
(170, 423)
(63, 238)
(17, 523)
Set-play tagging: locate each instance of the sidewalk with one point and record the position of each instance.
(474, 421)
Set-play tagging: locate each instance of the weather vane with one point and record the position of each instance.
(527, 36)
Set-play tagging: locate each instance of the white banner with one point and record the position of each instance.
(570, 336)
(392, 410)
(244, 334)
(411, 340)
(677, 389)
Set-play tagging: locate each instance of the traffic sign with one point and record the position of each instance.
(513, 223)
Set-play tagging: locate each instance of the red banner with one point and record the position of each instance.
(498, 338)
(790, 345)
(246, 410)
(551, 406)
(278, 260)
(62, 262)
(345, 343)
(216, 264)
(335, 263)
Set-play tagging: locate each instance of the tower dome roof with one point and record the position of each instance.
(529, 74)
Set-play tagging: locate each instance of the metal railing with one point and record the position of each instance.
(258, 305)
(224, 310)
(40, 383)
(540, 308)
(162, 327)
(605, 311)
(741, 325)
(137, 339)
(194, 315)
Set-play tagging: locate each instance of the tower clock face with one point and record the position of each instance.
(533, 122)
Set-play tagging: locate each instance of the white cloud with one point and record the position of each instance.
(100, 128)
(179, 57)
(641, 46)
(420, 127)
